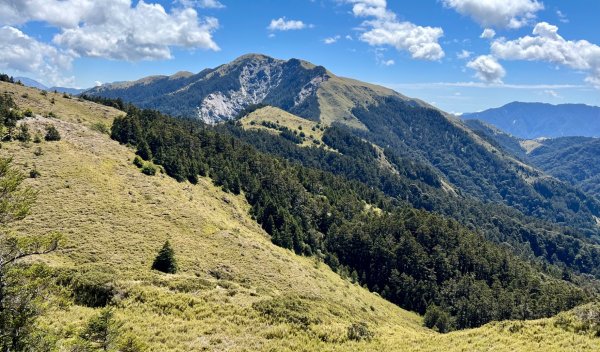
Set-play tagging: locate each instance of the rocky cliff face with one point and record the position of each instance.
(258, 77)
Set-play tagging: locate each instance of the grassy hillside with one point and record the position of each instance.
(272, 119)
(235, 290)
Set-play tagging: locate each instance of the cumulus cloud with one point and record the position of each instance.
(331, 40)
(144, 32)
(116, 29)
(497, 13)
(383, 28)
(488, 33)
(23, 53)
(282, 24)
(487, 69)
(547, 45)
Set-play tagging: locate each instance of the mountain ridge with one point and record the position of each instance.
(536, 120)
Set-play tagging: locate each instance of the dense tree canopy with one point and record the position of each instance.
(412, 257)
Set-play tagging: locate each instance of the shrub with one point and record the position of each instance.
(52, 101)
(28, 113)
(143, 150)
(34, 173)
(137, 161)
(52, 134)
(24, 135)
(165, 260)
(37, 138)
(359, 332)
(102, 329)
(38, 151)
(130, 343)
(438, 319)
(90, 288)
(149, 169)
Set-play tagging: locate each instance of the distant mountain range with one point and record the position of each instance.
(535, 120)
(35, 84)
(575, 160)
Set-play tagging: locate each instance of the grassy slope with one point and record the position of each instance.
(116, 218)
(284, 119)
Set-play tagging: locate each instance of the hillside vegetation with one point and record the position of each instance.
(571, 159)
(235, 290)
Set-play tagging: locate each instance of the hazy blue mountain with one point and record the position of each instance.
(535, 120)
(35, 84)
(31, 83)
(72, 91)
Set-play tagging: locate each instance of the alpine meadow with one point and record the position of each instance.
(266, 202)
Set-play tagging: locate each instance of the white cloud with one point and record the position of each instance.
(384, 29)
(381, 59)
(144, 32)
(331, 40)
(562, 17)
(487, 69)
(205, 4)
(464, 54)
(497, 13)
(24, 54)
(552, 93)
(97, 83)
(547, 45)
(488, 33)
(115, 29)
(281, 24)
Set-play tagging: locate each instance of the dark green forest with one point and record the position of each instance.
(418, 185)
(425, 134)
(412, 257)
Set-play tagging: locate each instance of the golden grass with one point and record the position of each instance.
(115, 219)
(283, 118)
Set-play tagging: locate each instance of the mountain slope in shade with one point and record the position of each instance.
(535, 120)
(575, 160)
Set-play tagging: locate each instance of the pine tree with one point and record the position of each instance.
(165, 260)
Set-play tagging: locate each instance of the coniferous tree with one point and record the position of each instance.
(165, 260)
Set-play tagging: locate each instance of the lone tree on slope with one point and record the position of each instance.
(165, 260)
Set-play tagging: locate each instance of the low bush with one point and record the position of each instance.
(359, 332)
(52, 134)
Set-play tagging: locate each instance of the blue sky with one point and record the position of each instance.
(430, 49)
